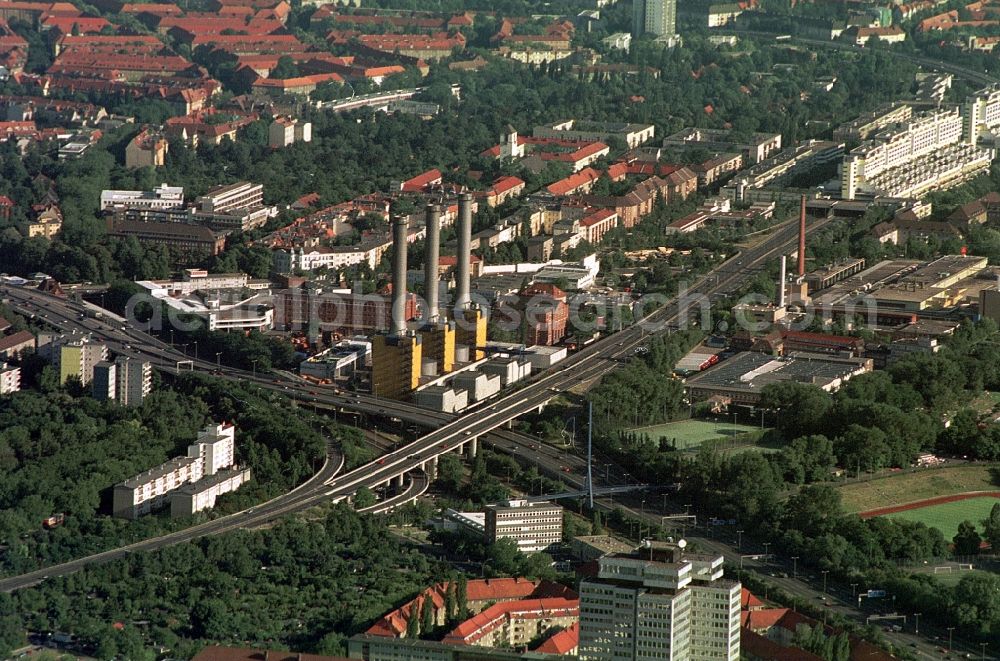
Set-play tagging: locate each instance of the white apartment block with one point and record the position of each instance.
(232, 197)
(285, 131)
(533, 526)
(161, 197)
(133, 380)
(10, 379)
(906, 145)
(981, 113)
(77, 357)
(310, 259)
(103, 384)
(202, 494)
(207, 457)
(148, 491)
(659, 603)
(215, 445)
(571, 129)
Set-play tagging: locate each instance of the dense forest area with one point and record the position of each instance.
(305, 584)
(61, 453)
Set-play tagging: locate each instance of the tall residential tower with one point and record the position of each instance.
(657, 17)
(662, 603)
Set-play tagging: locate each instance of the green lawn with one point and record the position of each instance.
(946, 516)
(899, 488)
(690, 434)
(952, 578)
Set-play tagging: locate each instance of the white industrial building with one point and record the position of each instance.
(510, 369)
(441, 398)
(479, 386)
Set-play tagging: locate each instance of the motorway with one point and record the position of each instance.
(589, 364)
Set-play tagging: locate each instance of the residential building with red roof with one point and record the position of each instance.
(134, 43)
(578, 154)
(563, 642)
(515, 623)
(79, 25)
(301, 85)
(579, 182)
(597, 223)
(502, 190)
(202, 127)
(427, 47)
(422, 182)
(248, 44)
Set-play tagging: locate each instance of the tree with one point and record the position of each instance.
(450, 472)
(991, 528)
(462, 597)
(450, 602)
(413, 624)
(967, 540)
(426, 616)
(803, 407)
(363, 498)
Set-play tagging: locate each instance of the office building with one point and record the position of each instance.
(533, 526)
(657, 17)
(659, 603)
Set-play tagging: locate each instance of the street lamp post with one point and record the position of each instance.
(916, 626)
(983, 645)
(766, 545)
(195, 349)
(254, 363)
(950, 629)
(795, 566)
(824, 572)
(739, 541)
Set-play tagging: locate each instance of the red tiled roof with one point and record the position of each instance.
(452, 260)
(300, 81)
(421, 181)
(67, 24)
(504, 184)
(6, 201)
(573, 182)
(563, 642)
(477, 626)
(760, 647)
(749, 600)
(598, 216)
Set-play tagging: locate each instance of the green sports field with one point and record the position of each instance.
(946, 516)
(690, 434)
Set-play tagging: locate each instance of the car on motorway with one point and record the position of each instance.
(381, 462)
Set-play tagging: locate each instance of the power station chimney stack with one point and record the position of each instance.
(399, 226)
(802, 236)
(462, 286)
(781, 282)
(432, 256)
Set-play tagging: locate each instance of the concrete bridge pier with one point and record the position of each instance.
(398, 480)
(472, 447)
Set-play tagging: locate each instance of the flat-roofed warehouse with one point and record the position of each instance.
(741, 379)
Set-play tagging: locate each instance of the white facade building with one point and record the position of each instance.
(133, 380)
(161, 197)
(211, 454)
(659, 603)
(202, 495)
(534, 527)
(921, 154)
(10, 379)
